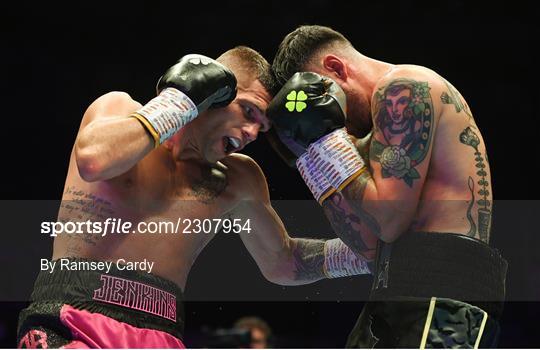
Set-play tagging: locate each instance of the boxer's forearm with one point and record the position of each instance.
(351, 222)
(110, 147)
(282, 260)
(301, 263)
(290, 261)
(306, 260)
(311, 260)
(363, 212)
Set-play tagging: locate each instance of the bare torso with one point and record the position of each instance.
(157, 191)
(456, 196)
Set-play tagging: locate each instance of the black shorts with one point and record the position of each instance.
(423, 323)
(433, 290)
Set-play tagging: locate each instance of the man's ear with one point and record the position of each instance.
(336, 66)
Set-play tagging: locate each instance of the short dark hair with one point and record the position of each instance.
(298, 47)
(252, 62)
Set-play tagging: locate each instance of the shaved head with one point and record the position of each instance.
(249, 63)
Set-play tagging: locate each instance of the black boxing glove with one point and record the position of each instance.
(208, 83)
(188, 88)
(308, 114)
(283, 148)
(306, 108)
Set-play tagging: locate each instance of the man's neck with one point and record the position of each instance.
(184, 146)
(370, 72)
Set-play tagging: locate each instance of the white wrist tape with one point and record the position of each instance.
(337, 158)
(165, 114)
(341, 261)
(314, 179)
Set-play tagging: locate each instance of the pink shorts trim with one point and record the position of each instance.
(94, 330)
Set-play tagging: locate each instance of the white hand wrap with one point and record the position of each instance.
(165, 114)
(341, 261)
(314, 179)
(337, 158)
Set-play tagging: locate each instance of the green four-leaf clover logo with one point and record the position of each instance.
(295, 101)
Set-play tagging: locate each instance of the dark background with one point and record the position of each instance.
(56, 59)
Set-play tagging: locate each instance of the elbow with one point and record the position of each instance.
(88, 163)
(274, 277)
(277, 276)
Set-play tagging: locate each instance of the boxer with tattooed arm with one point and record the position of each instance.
(397, 161)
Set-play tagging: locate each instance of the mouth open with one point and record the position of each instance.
(230, 144)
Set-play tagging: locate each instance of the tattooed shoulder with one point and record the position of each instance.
(403, 118)
(453, 97)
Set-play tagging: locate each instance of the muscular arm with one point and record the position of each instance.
(281, 259)
(382, 201)
(351, 222)
(110, 143)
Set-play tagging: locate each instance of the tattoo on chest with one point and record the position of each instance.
(211, 183)
(470, 138)
(403, 119)
(453, 97)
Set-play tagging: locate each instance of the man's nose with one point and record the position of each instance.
(250, 131)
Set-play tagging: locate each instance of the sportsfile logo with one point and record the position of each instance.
(295, 101)
(121, 226)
